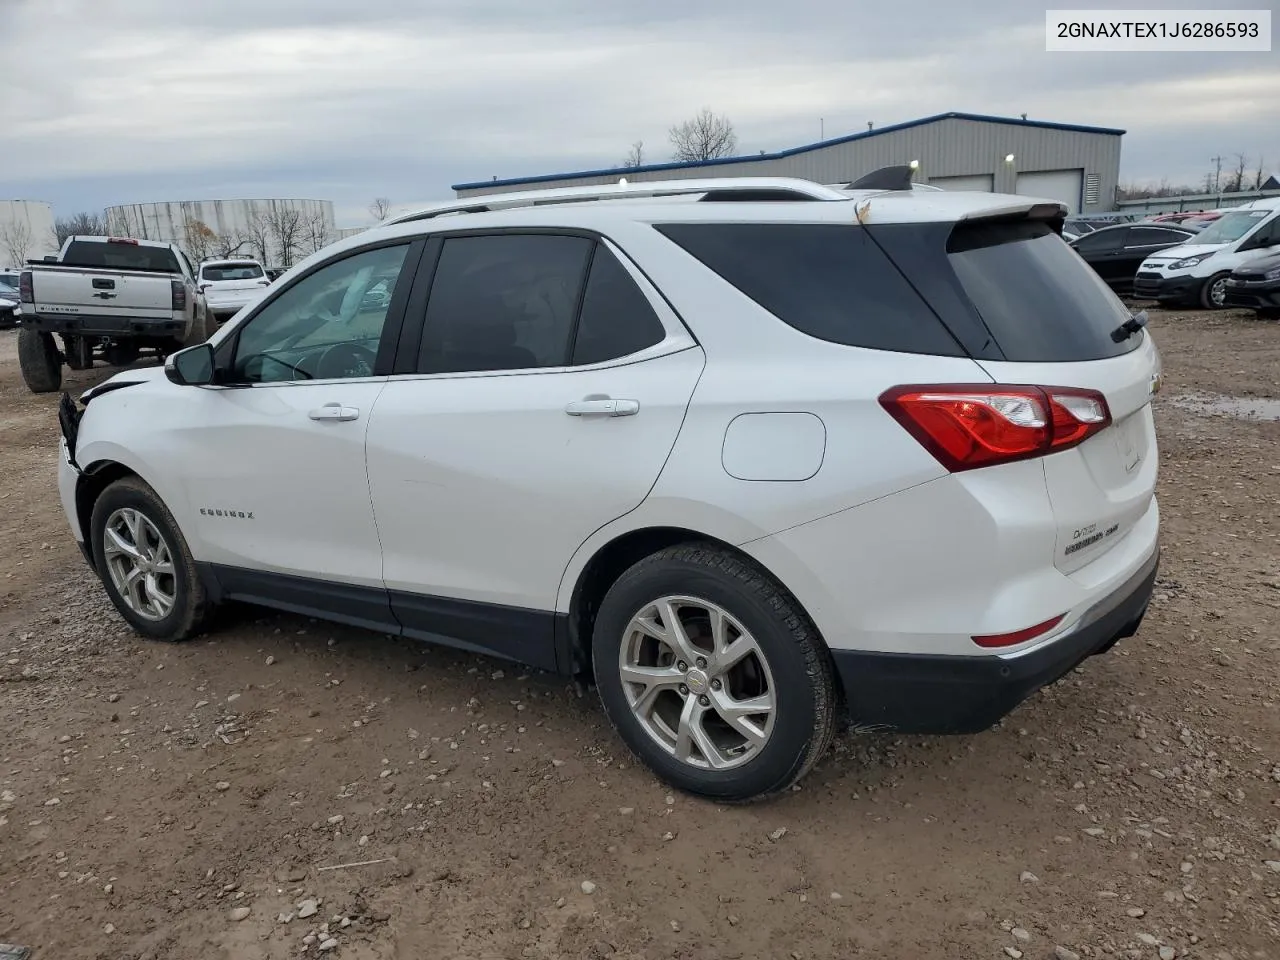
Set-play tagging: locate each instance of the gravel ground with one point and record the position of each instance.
(283, 787)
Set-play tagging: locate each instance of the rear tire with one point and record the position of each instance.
(694, 705)
(1214, 290)
(145, 564)
(79, 352)
(39, 360)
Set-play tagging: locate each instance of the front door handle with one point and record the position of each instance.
(603, 407)
(334, 411)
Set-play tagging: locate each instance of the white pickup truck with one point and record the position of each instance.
(107, 297)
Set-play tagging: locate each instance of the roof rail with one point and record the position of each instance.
(739, 189)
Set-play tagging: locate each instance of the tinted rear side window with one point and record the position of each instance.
(120, 256)
(1039, 300)
(617, 319)
(829, 281)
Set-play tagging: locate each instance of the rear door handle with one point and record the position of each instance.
(334, 411)
(603, 407)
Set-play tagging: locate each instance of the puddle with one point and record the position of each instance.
(1241, 408)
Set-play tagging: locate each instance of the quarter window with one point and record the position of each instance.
(617, 319)
(325, 326)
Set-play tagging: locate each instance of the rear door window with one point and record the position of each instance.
(830, 281)
(1154, 236)
(1040, 302)
(503, 302)
(1102, 241)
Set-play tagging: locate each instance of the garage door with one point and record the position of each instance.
(1061, 185)
(980, 182)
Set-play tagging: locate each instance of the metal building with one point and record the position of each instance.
(1077, 165)
(281, 232)
(26, 231)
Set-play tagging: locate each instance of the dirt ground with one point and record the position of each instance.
(188, 801)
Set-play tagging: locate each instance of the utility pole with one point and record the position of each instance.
(1217, 172)
(822, 129)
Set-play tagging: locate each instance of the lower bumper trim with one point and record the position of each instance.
(929, 694)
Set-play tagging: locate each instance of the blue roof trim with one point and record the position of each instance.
(790, 152)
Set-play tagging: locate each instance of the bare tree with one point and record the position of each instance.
(16, 238)
(257, 236)
(79, 225)
(286, 227)
(380, 207)
(635, 156)
(1235, 181)
(705, 137)
(198, 239)
(1258, 176)
(229, 244)
(317, 231)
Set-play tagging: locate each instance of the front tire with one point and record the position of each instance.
(713, 674)
(39, 360)
(1213, 293)
(145, 564)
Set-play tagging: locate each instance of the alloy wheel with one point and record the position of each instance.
(139, 563)
(698, 682)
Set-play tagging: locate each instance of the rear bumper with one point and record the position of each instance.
(224, 309)
(1258, 294)
(1147, 286)
(914, 693)
(99, 326)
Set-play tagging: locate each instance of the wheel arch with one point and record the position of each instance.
(92, 481)
(609, 561)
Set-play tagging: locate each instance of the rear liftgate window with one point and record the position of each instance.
(1039, 300)
(830, 281)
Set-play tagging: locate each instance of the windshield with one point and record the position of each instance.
(231, 271)
(7, 292)
(1232, 226)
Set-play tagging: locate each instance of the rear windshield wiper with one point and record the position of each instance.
(1131, 326)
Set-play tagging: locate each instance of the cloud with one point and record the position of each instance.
(345, 101)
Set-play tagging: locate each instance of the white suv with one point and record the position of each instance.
(756, 454)
(231, 285)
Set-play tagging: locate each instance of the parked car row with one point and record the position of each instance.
(10, 305)
(1210, 259)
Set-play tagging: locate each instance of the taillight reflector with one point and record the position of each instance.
(966, 426)
(179, 301)
(26, 291)
(1018, 636)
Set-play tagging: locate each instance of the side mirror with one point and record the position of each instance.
(192, 367)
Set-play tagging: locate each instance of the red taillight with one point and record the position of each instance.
(179, 289)
(966, 426)
(25, 289)
(1018, 636)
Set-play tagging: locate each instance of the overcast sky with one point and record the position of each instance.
(114, 101)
